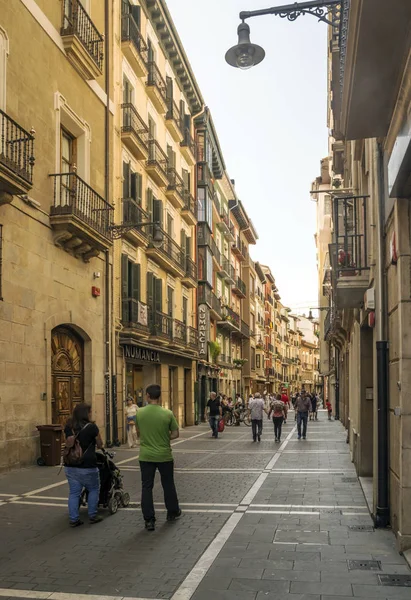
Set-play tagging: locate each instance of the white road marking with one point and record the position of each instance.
(59, 596)
(291, 506)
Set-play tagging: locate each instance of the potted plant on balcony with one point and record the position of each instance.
(239, 362)
(215, 350)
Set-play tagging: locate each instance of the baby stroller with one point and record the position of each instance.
(112, 495)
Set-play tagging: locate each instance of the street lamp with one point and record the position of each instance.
(157, 235)
(246, 55)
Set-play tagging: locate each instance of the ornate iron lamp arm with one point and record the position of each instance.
(118, 231)
(316, 8)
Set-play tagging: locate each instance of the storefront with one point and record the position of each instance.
(208, 381)
(142, 364)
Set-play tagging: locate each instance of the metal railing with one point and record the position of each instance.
(172, 251)
(224, 358)
(350, 252)
(216, 304)
(229, 269)
(190, 203)
(133, 213)
(204, 294)
(175, 182)
(328, 322)
(240, 247)
(240, 286)
(191, 268)
(232, 316)
(16, 148)
(132, 122)
(76, 21)
(161, 325)
(214, 250)
(245, 329)
(173, 112)
(192, 338)
(179, 331)
(157, 157)
(188, 142)
(156, 79)
(131, 314)
(131, 33)
(73, 196)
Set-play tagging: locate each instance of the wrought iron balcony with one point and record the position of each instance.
(157, 164)
(204, 176)
(239, 287)
(16, 158)
(80, 218)
(161, 326)
(230, 319)
(170, 256)
(192, 338)
(156, 87)
(175, 189)
(133, 213)
(188, 147)
(239, 249)
(174, 122)
(225, 359)
(225, 225)
(133, 45)
(349, 253)
(189, 212)
(134, 132)
(83, 43)
(245, 329)
(228, 271)
(179, 333)
(190, 276)
(136, 316)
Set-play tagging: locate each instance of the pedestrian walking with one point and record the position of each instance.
(279, 411)
(314, 413)
(329, 409)
(156, 427)
(286, 400)
(131, 412)
(214, 413)
(256, 408)
(303, 408)
(83, 472)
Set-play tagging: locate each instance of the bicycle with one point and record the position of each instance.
(242, 415)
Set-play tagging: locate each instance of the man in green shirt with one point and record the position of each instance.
(156, 427)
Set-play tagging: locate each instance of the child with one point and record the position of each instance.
(330, 409)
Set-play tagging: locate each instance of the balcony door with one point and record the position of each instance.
(68, 162)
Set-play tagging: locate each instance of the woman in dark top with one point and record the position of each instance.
(84, 475)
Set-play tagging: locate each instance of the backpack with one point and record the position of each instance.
(73, 454)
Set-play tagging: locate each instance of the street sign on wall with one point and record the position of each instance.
(203, 330)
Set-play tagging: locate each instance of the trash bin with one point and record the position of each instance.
(50, 444)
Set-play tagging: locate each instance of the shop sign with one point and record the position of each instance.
(203, 330)
(138, 353)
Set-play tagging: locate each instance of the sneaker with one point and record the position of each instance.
(76, 523)
(150, 525)
(279, 440)
(276, 439)
(299, 437)
(174, 516)
(304, 438)
(259, 438)
(96, 519)
(254, 440)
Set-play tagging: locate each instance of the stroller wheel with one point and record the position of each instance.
(125, 499)
(41, 462)
(113, 505)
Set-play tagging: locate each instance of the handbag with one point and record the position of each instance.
(221, 426)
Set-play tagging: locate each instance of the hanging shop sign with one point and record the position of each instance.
(203, 330)
(139, 353)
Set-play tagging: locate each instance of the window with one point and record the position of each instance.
(185, 311)
(219, 287)
(68, 146)
(131, 287)
(132, 184)
(154, 294)
(4, 51)
(252, 323)
(252, 286)
(151, 128)
(171, 155)
(205, 265)
(170, 301)
(258, 361)
(128, 92)
(253, 359)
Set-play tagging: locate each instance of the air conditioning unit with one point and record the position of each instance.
(369, 299)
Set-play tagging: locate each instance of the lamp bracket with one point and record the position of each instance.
(317, 8)
(119, 231)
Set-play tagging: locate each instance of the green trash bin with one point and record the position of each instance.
(50, 444)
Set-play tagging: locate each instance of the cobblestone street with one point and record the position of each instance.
(261, 521)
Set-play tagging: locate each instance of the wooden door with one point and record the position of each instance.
(67, 373)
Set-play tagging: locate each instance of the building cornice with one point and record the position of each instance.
(160, 18)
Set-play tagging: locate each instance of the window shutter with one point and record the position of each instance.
(136, 13)
(133, 186)
(183, 240)
(150, 206)
(126, 180)
(139, 189)
(135, 281)
(169, 92)
(150, 296)
(158, 294)
(125, 305)
(186, 179)
(188, 246)
(136, 187)
(182, 110)
(158, 211)
(187, 122)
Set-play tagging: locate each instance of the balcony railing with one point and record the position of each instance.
(245, 329)
(240, 286)
(216, 304)
(192, 338)
(173, 112)
(16, 149)
(135, 314)
(179, 332)
(161, 325)
(350, 226)
(157, 157)
(270, 300)
(172, 251)
(73, 196)
(232, 316)
(132, 122)
(191, 269)
(190, 203)
(240, 249)
(130, 32)
(188, 142)
(155, 78)
(133, 213)
(229, 269)
(175, 182)
(76, 21)
(215, 251)
(224, 358)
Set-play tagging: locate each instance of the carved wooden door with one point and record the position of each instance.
(67, 373)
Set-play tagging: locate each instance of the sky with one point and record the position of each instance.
(271, 123)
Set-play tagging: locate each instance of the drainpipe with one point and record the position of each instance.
(107, 199)
(382, 512)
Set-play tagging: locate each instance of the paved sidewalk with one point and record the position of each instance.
(261, 521)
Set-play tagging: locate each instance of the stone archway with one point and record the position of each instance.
(67, 372)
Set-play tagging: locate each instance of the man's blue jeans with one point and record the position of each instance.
(302, 417)
(78, 479)
(214, 424)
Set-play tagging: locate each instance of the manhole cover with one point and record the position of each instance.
(361, 528)
(349, 480)
(399, 580)
(364, 565)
